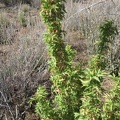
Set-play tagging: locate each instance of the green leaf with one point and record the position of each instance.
(85, 82)
(76, 115)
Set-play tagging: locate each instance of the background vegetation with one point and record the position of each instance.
(33, 3)
(23, 54)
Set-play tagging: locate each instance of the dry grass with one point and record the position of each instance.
(33, 3)
(22, 63)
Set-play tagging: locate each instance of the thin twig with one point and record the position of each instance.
(16, 111)
(117, 14)
(72, 16)
(6, 117)
(2, 105)
(7, 106)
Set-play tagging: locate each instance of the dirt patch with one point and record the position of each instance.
(78, 42)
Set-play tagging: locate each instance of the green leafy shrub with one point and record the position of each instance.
(66, 89)
(111, 107)
(98, 103)
(75, 93)
(91, 100)
(108, 31)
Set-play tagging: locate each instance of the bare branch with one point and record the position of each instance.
(84, 9)
(7, 105)
(2, 105)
